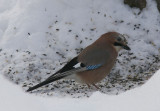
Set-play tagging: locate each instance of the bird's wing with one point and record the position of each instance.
(93, 55)
(69, 66)
(75, 70)
(68, 69)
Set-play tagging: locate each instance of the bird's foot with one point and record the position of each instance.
(96, 86)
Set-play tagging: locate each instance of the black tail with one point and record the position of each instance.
(44, 83)
(54, 77)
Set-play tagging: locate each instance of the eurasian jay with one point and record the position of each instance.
(94, 62)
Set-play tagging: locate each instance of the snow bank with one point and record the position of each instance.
(145, 98)
(37, 37)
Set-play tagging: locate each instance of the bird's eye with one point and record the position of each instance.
(119, 39)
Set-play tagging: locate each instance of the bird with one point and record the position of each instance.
(93, 63)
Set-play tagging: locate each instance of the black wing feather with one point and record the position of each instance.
(69, 66)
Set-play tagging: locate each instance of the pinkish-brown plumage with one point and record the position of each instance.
(103, 52)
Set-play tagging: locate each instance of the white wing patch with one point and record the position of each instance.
(77, 65)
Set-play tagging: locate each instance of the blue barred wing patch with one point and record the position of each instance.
(91, 67)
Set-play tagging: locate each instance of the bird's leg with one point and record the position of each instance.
(88, 86)
(95, 86)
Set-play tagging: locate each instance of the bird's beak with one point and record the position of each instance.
(126, 47)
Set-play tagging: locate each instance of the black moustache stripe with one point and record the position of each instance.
(117, 44)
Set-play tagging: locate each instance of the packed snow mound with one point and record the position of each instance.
(38, 37)
(144, 98)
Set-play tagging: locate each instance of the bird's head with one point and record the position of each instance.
(117, 40)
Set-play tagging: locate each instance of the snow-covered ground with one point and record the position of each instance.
(37, 37)
(144, 98)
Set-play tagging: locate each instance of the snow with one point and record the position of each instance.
(37, 37)
(144, 98)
